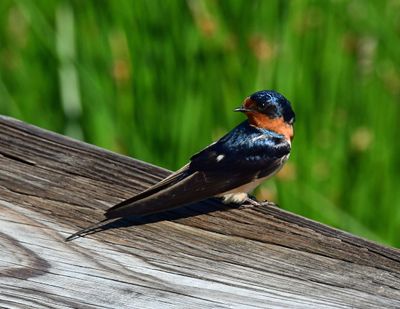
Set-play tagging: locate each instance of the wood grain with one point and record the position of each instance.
(199, 256)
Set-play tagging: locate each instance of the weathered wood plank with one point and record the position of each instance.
(200, 256)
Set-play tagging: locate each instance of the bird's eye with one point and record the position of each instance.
(266, 108)
(262, 106)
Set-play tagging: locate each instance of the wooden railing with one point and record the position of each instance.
(200, 256)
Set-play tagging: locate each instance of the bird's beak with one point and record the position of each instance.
(241, 109)
(246, 106)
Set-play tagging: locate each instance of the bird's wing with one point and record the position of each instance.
(245, 154)
(161, 185)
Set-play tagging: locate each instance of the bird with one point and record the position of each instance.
(229, 168)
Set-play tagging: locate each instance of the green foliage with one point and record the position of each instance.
(158, 80)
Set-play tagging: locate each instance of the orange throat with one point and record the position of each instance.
(277, 125)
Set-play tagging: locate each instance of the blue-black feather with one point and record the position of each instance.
(245, 147)
(277, 105)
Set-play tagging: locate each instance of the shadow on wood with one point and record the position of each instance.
(201, 256)
(194, 209)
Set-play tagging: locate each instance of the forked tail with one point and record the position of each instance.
(91, 229)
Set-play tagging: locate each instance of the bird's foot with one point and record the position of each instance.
(251, 201)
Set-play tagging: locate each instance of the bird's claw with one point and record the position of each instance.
(252, 202)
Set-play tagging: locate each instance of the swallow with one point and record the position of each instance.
(229, 168)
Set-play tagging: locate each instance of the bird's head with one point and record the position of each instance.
(270, 110)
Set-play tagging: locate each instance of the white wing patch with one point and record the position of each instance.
(258, 137)
(220, 157)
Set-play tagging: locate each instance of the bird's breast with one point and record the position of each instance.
(239, 194)
(277, 125)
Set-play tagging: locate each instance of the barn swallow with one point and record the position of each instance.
(229, 168)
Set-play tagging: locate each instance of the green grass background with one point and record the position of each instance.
(158, 80)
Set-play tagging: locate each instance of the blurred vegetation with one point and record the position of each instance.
(158, 80)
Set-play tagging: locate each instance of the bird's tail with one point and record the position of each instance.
(91, 229)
